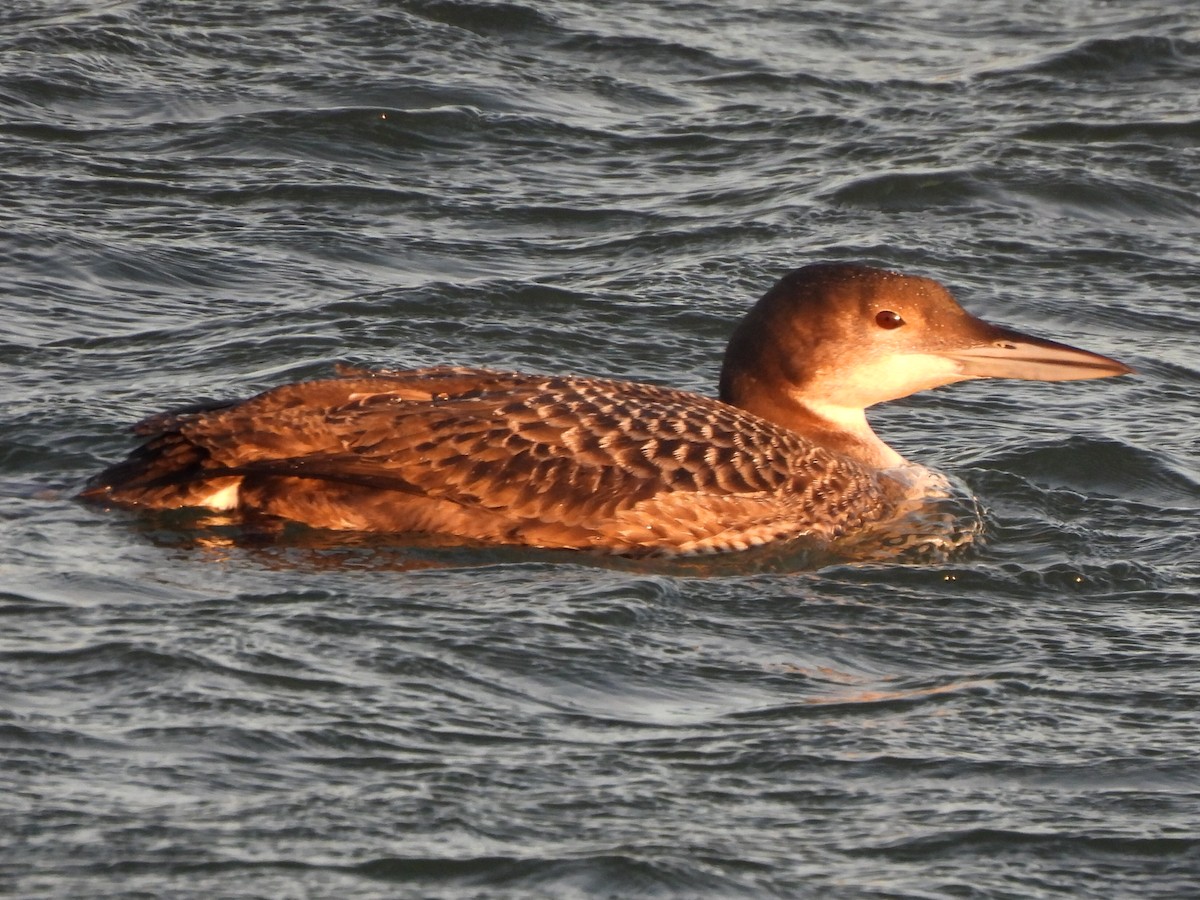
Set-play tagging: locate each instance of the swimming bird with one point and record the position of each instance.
(563, 461)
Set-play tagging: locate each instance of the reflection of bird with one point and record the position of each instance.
(589, 463)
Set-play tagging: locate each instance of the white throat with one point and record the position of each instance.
(849, 426)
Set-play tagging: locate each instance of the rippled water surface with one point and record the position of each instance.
(204, 199)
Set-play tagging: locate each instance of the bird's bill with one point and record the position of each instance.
(1004, 353)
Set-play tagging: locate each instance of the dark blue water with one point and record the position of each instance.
(202, 200)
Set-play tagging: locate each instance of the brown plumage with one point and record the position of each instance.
(584, 463)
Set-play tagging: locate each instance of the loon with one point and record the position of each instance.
(475, 455)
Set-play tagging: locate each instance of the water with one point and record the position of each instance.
(205, 199)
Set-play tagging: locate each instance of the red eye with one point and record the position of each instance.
(888, 319)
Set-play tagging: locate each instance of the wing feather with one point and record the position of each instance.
(586, 455)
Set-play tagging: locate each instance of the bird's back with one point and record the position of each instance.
(550, 461)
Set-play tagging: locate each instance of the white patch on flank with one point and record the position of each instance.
(225, 498)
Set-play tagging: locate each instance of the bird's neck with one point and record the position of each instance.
(840, 429)
(845, 431)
